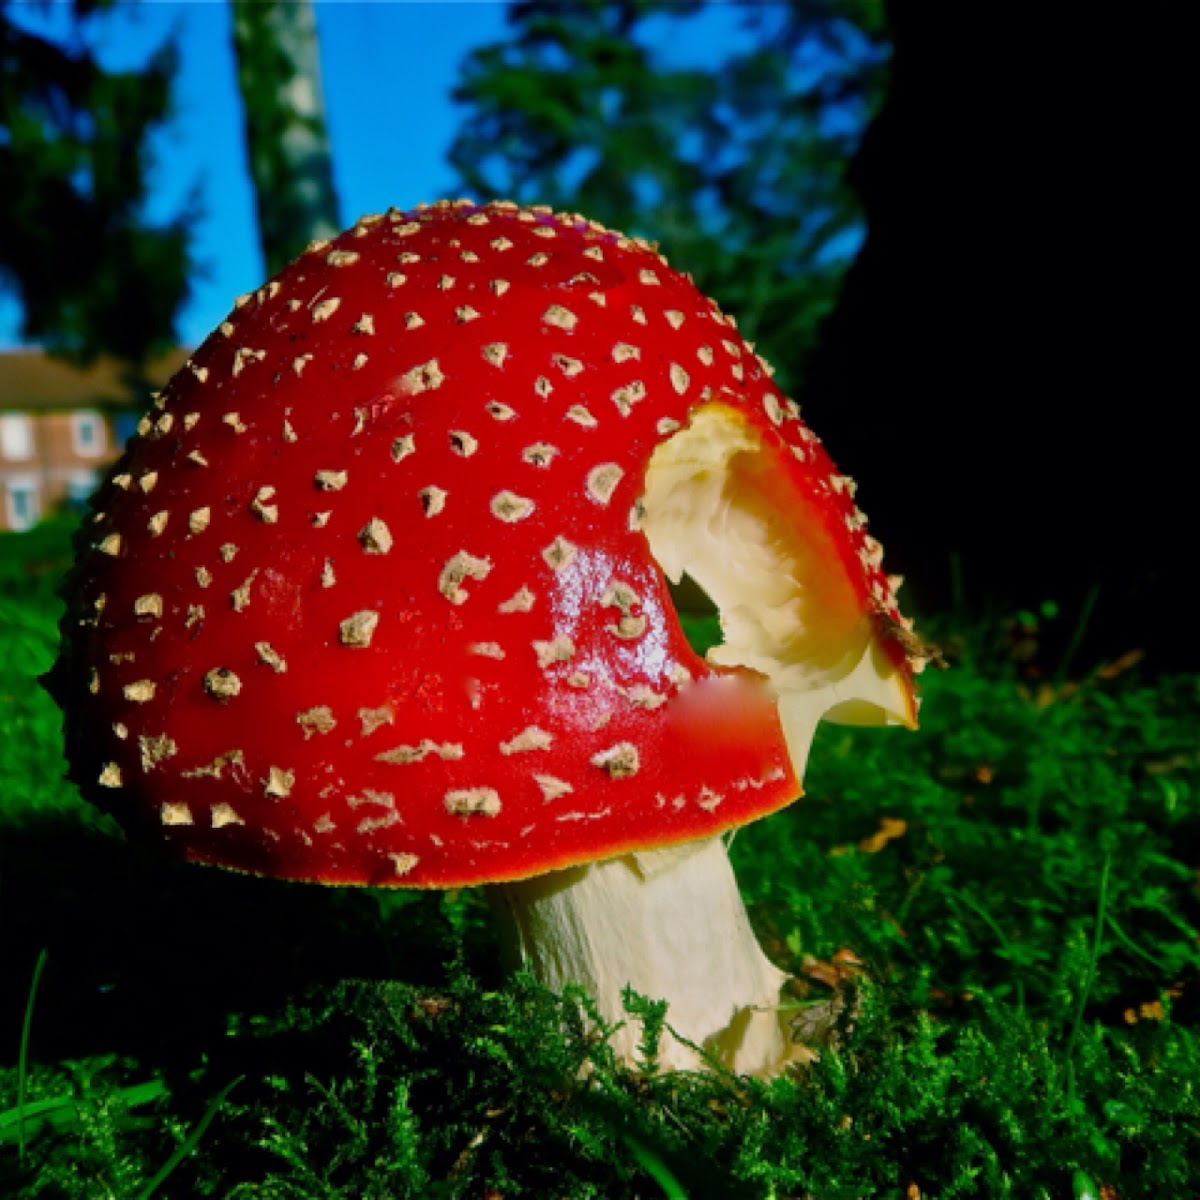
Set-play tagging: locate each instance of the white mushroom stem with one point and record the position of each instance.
(671, 925)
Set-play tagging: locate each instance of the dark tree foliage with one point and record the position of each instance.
(93, 274)
(735, 166)
(287, 144)
(1013, 325)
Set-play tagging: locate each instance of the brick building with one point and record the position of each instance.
(60, 428)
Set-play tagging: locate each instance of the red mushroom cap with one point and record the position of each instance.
(368, 599)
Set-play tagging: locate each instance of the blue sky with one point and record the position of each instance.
(388, 71)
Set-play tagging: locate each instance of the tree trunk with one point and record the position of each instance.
(286, 140)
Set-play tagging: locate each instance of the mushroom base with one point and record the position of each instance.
(671, 925)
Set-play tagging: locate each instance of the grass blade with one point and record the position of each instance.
(190, 1142)
(23, 1053)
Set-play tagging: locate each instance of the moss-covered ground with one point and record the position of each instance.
(1007, 901)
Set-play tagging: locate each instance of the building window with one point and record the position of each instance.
(88, 431)
(80, 487)
(16, 436)
(22, 503)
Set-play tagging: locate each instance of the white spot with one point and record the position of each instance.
(680, 379)
(426, 377)
(279, 782)
(619, 761)
(552, 787)
(433, 499)
(627, 396)
(495, 353)
(403, 864)
(175, 812)
(472, 802)
(244, 355)
(560, 554)
(462, 443)
(375, 537)
(486, 649)
(602, 482)
(581, 416)
(460, 567)
(140, 692)
(404, 755)
(520, 601)
(403, 446)
(271, 657)
(570, 367)
(560, 317)
(316, 720)
(325, 309)
(330, 481)
(559, 649)
(158, 523)
(358, 629)
(644, 696)
(156, 749)
(262, 507)
(222, 684)
(539, 454)
(508, 506)
(240, 596)
(371, 719)
(149, 605)
(530, 738)
(110, 776)
(223, 814)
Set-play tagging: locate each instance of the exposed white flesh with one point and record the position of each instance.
(785, 607)
(671, 923)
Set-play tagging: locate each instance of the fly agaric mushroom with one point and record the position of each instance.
(379, 595)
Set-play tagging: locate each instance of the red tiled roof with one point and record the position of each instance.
(32, 379)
